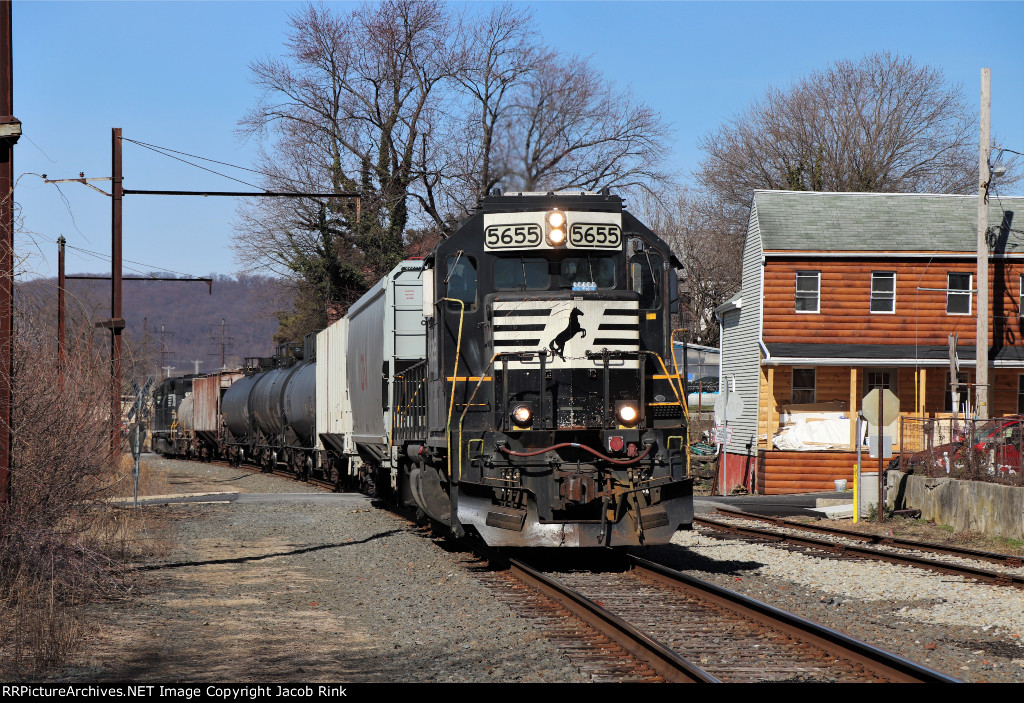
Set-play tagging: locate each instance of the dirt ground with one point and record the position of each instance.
(218, 620)
(318, 589)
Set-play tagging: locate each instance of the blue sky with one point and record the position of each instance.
(176, 74)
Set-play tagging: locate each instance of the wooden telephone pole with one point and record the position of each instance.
(981, 320)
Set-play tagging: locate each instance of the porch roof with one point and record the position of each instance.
(884, 355)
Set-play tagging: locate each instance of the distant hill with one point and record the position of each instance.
(189, 314)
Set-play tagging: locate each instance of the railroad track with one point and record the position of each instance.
(253, 468)
(655, 624)
(847, 544)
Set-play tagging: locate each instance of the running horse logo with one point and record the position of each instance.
(558, 343)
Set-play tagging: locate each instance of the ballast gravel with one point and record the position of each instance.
(960, 627)
(328, 588)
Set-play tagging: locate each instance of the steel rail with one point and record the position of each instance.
(992, 577)
(884, 540)
(669, 665)
(878, 661)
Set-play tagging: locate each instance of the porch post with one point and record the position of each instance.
(923, 392)
(853, 407)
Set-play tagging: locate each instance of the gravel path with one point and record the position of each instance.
(301, 591)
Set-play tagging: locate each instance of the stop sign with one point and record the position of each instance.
(890, 406)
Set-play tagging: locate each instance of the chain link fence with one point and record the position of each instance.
(969, 449)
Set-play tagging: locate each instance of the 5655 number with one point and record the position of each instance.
(595, 236)
(512, 236)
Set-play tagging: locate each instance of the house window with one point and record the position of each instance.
(958, 293)
(808, 288)
(963, 390)
(804, 386)
(883, 291)
(879, 378)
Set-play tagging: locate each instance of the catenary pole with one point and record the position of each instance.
(10, 131)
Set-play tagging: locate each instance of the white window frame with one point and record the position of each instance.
(889, 296)
(893, 378)
(797, 292)
(959, 291)
(966, 391)
(813, 389)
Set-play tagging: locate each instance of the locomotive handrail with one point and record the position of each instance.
(462, 418)
(455, 376)
(682, 386)
(577, 445)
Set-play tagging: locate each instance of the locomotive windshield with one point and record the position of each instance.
(521, 274)
(588, 269)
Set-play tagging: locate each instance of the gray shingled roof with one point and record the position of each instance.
(790, 220)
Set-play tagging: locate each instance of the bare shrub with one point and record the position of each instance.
(60, 544)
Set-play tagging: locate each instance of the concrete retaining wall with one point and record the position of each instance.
(974, 506)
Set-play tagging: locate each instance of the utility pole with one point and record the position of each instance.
(196, 363)
(224, 340)
(10, 131)
(984, 177)
(61, 353)
(164, 353)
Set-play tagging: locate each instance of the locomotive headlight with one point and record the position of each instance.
(628, 413)
(556, 228)
(522, 415)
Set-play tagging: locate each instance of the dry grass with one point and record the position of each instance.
(61, 544)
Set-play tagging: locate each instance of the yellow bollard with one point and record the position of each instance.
(856, 493)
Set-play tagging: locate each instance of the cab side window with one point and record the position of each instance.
(460, 280)
(645, 278)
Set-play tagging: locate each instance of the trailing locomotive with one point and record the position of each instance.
(169, 436)
(523, 393)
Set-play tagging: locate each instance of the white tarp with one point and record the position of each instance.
(808, 431)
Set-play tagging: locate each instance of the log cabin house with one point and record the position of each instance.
(845, 292)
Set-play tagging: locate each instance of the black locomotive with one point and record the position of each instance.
(546, 412)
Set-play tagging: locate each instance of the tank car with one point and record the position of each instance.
(269, 411)
(546, 411)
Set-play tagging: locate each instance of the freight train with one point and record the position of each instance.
(517, 384)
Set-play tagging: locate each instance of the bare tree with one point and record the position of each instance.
(422, 111)
(572, 129)
(698, 230)
(881, 124)
(502, 53)
(353, 105)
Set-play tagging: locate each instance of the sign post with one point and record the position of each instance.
(881, 407)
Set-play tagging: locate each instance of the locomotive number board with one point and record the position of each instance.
(513, 236)
(525, 230)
